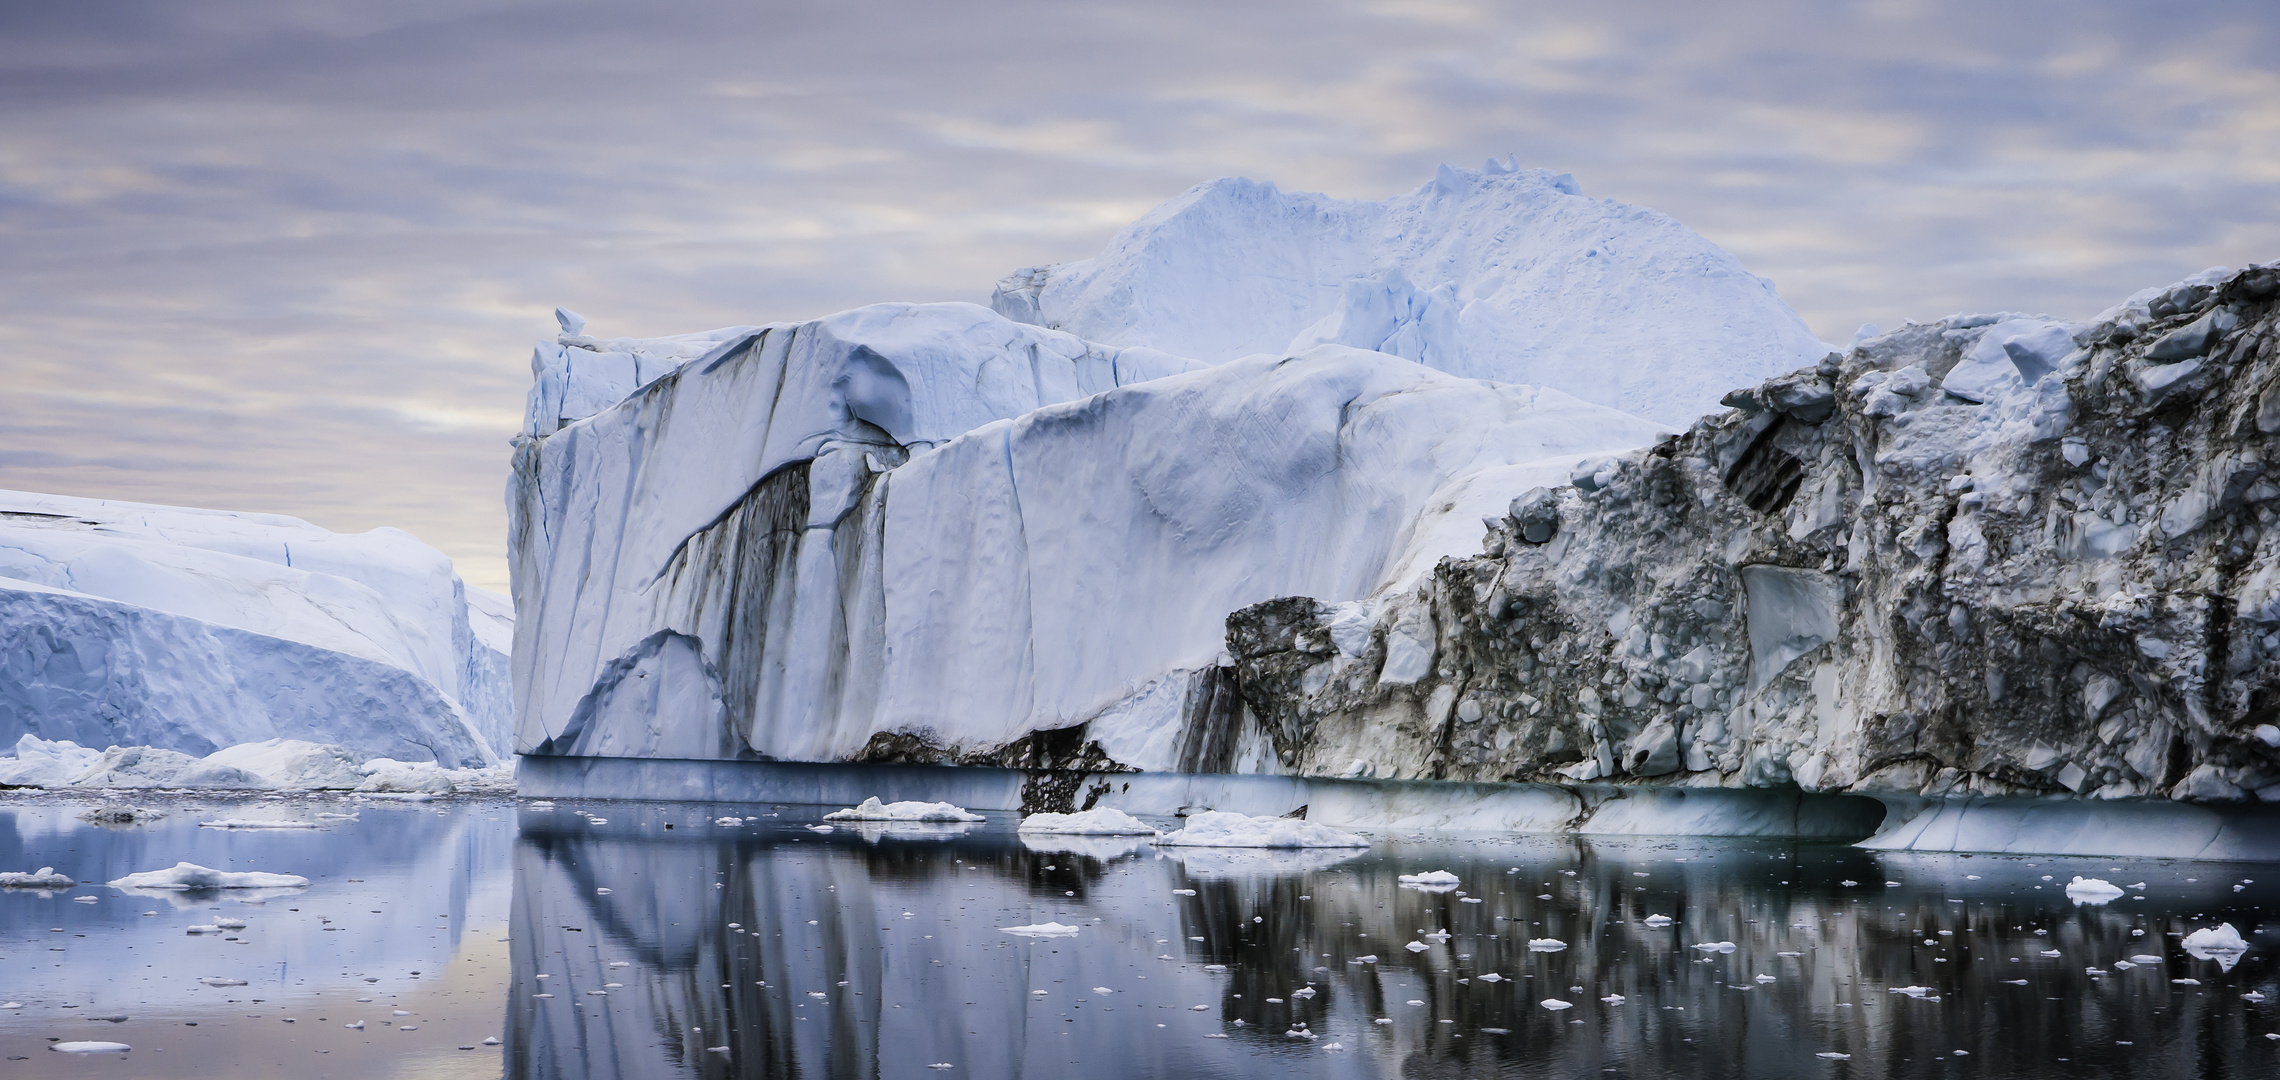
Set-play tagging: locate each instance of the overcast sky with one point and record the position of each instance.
(287, 255)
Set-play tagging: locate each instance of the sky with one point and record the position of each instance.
(290, 255)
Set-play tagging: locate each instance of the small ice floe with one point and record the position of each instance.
(1920, 993)
(1417, 946)
(1303, 993)
(1715, 946)
(2185, 982)
(89, 1047)
(11, 1004)
(1490, 977)
(114, 816)
(820, 828)
(43, 878)
(202, 928)
(1215, 967)
(601, 892)
(2049, 952)
(2123, 965)
(1657, 921)
(2220, 943)
(257, 823)
(874, 810)
(597, 821)
(217, 981)
(1470, 900)
(2095, 971)
(2015, 982)
(1614, 999)
(1848, 884)
(1219, 828)
(730, 822)
(2094, 891)
(1438, 936)
(942, 1065)
(327, 815)
(86, 899)
(1556, 1004)
(1333, 1046)
(2252, 997)
(1366, 958)
(1831, 1055)
(1046, 929)
(193, 876)
(1099, 821)
(491, 1041)
(1382, 1020)
(1429, 881)
(2142, 958)
(1789, 953)
(1546, 944)
(354, 1025)
(1299, 1032)
(1764, 979)
(2135, 887)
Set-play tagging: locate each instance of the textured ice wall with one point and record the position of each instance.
(927, 533)
(1993, 556)
(191, 630)
(1499, 274)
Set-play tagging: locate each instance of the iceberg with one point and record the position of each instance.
(186, 875)
(1100, 821)
(1429, 881)
(1223, 829)
(43, 878)
(874, 810)
(187, 630)
(1505, 275)
(2093, 891)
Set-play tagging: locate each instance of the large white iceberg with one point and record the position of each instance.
(125, 624)
(1503, 273)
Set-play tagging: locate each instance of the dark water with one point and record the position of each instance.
(767, 949)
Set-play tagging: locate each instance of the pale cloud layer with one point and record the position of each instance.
(289, 256)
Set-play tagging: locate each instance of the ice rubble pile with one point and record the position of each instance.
(124, 624)
(1504, 274)
(715, 538)
(1992, 555)
(269, 765)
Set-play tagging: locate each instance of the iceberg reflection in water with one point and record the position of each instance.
(764, 949)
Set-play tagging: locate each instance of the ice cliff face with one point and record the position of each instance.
(1994, 555)
(928, 533)
(192, 630)
(1501, 274)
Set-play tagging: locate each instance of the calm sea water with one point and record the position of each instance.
(590, 940)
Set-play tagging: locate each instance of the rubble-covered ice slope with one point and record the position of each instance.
(928, 533)
(192, 630)
(1992, 556)
(1501, 274)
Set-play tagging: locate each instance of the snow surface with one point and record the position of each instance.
(1100, 821)
(964, 498)
(192, 630)
(1219, 828)
(1513, 277)
(186, 875)
(874, 810)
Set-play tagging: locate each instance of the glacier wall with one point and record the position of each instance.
(191, 630)
(1966, 567)
(925, 533)
(1502, 274)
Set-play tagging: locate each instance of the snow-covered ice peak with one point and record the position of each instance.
(1504, 274)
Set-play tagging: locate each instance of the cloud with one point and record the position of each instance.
(289, 257)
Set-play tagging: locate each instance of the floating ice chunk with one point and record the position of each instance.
(819, 828)
(1219, 828)
(1183, 892)
(2050, 952)
(731, 822)
(2186, 982)
(2084, 890)
(1657, 921)
(327, 815)
(1099, 821)
(1545, 944)
(90, 1047)
(2209, 941)
(942, 1065)
(1303, 993)
(1333, 1046)
(86, 900)
(1299, 1033)
(1920, 993)
(218, 981)
(1764, 979)
(1417, 946)
(11, 1004)
(1490, 977)
(874, 810)
(1367, 959)
(1556, 1004)
(257, 823)
(192, 876)
(1848, 884)
(43, 878)
(1832, 1055)
(1715, 946)
(1614, 999)
(1046, 929)
(1429, 881)
(230, 924)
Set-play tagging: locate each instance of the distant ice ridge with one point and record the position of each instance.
(1504, 274)
(716, 565)
(270, 765)
(192, 630)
